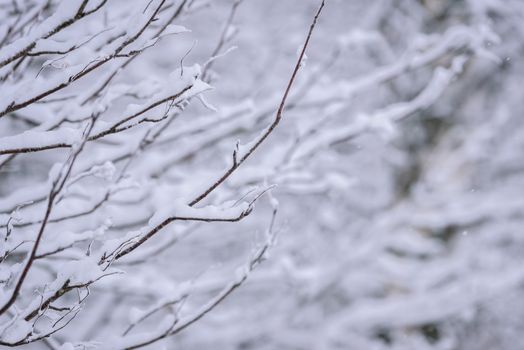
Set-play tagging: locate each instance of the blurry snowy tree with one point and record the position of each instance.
(397, 164)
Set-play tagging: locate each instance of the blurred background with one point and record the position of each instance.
(402, 210)
(398, 168)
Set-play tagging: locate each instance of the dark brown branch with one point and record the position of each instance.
(79, 15)
(86, 70)
(224, 293)
(115, 128)
(169, 220)
(276, 121)
(240, 161)
(56, 188)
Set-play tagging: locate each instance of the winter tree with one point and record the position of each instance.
(136, 138)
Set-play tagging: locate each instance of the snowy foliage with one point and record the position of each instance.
(152, 150)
